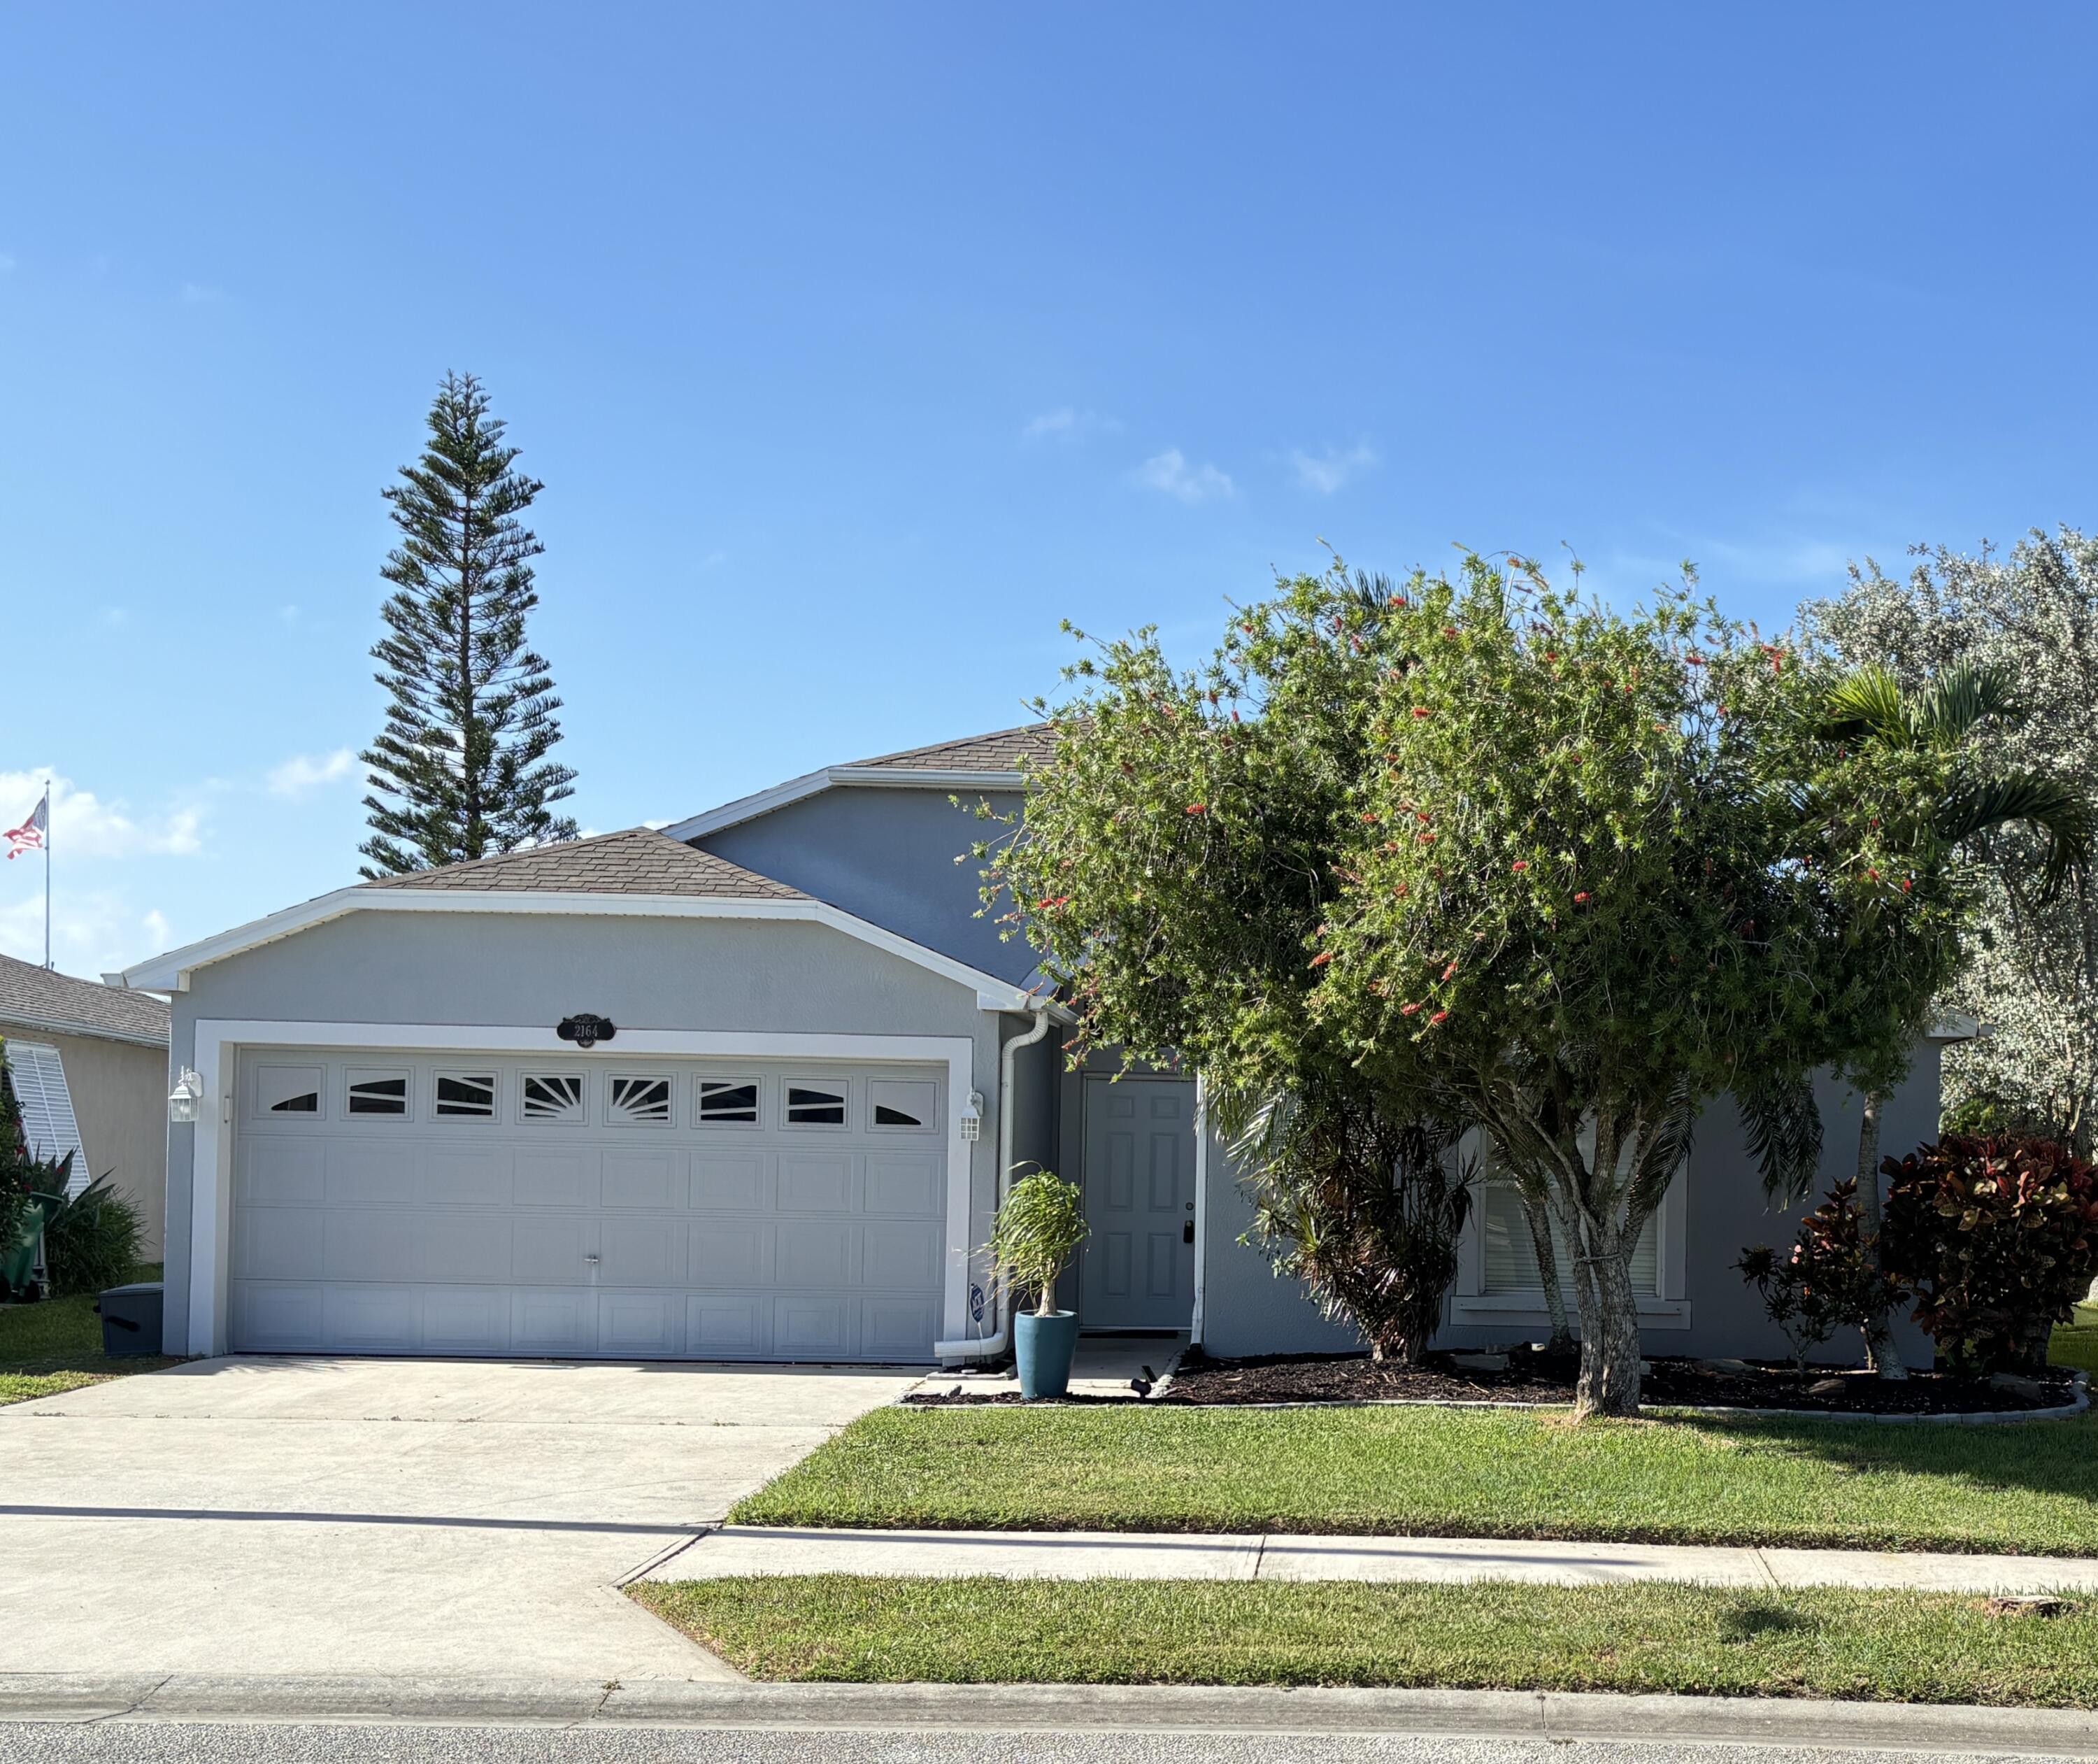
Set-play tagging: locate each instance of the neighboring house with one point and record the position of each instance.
(91, 1069)
(788, 1145)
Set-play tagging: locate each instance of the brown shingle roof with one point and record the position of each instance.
(639, 861)
(999, 752)
(34, 998)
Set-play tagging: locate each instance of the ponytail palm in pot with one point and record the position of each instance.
(1036, 1232)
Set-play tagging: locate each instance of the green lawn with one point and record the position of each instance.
(1655, 1637)
(2076, 1343)
(1450, 1472)
(56, 1346)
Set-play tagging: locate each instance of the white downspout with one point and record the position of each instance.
(990, 1347)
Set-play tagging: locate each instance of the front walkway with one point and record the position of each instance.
(735, 1549)
(1106, 1368)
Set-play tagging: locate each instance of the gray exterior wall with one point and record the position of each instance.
(526, 971)
(887, 856)
(1247, 1311)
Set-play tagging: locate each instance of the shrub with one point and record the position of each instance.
(1038, 1230)
(15, 1166)
(92, 1242)
(1829, 1281)
(1998, 1239)
(1365, 1210)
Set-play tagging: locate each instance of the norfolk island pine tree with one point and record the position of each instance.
(461, 770)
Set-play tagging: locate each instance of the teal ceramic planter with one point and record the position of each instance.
(1043, 1346)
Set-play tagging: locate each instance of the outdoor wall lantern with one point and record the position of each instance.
(186, 1100)
(972, 1118)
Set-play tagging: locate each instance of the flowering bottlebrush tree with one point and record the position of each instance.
(1479, 849)
(1176, 856)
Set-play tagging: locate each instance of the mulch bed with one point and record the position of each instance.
(1532, 1377)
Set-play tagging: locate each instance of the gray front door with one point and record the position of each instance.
(1139, 1267)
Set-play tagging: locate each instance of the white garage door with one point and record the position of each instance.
(622, 1210)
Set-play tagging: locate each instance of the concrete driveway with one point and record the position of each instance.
(393, 1517)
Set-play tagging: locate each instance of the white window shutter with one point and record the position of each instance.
(38, 1076)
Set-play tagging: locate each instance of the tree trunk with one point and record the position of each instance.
(1609, 1380)
(1540, 1221)
(1884, 1356)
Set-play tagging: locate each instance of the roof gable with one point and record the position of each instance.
(1000, 751)
(640, 873)
(639, 861)
(981, 762)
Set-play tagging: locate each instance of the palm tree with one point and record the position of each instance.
(1932, 739)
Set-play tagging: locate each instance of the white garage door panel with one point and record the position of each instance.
(610, 1236)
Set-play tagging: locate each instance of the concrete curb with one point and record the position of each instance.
(1050, 1709)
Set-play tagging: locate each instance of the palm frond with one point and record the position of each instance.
(1867, 701)
(1978, 809)
(1371, 593)
(1252, 1124)
(1783, 1124)
(1961, 699)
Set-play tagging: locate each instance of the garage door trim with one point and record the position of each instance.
(219, 1041)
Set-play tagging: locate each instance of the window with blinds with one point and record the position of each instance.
(1510, 1262)
(37, 1076)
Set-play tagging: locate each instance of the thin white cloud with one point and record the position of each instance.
(84, 826)
(6, 263)
(115, 616)
(197, 294)
(1170, 473)
(1067, 423)
(305, 773)
(93, 933)
(1334, 469)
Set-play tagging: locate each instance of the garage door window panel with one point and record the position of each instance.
(293, 1091)
(728, 1101)
(637, 1100)
(903, 1105)
(466, 1096)
(555, 1098)
(818, 1103)
(373, 1094)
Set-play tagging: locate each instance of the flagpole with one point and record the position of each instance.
(47, 872)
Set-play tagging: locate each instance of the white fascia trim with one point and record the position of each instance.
(219, 1041)
(1957, 1026)
(171, 973)
(832, 776)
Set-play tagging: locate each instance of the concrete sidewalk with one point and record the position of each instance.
(736, 1549)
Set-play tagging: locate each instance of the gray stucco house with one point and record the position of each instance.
(787, 1145)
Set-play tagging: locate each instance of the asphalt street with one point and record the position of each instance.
(278, 1742)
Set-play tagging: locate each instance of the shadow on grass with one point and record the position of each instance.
(2052, 1458)
(1752, 1619)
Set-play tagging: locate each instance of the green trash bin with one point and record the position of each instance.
(22, 1262)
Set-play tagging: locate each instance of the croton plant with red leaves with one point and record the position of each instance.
(1998, 1239)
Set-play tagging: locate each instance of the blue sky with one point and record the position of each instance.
(857, 344)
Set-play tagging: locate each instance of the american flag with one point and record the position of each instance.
(29, 836)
